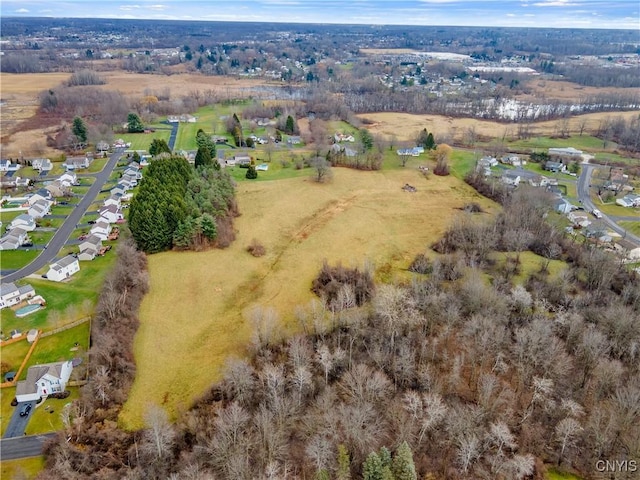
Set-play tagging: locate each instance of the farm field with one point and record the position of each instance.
(192, 325)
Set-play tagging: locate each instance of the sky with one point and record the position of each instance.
(504, 13)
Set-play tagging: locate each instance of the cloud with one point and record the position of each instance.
(157, 7)
(556, 3)
(511, 14)
(128, 7)
(22, 10)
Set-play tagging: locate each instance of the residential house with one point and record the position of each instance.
(68, 179)
(101, 228)
(119, 189)
(8, 166)
(76, 163)
(488, 162)
(22, 182)
(63, 268)
(539, 181)
(554, 166)
(39, 209)
(512, 160)
(42, 164)
(90, 247)
(343, 137)
(41, 194)
(14, 238)
(413, 152)
(10, 294)
(511, 178)
(294, 140)
(102, 146)
(24, 221)
(114, 199)
(241, 159)
(579, 219)
(563, 206)
(629, 200)
(56, 189)
(569, 152)
(43, 380)
(110, 213)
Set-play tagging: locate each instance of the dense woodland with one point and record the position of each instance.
(184, 207)
(463, 372)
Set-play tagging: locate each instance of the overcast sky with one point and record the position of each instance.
(509, 13)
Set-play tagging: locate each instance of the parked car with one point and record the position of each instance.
(25, 410)
(597, 213)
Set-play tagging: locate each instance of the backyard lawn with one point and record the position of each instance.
(16, 259)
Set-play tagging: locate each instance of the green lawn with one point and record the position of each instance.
(69, 300)
(57, 348)
(585, 143)
(186, 137)
(15, 259)
(62, 209)
(14, 353)
(633, 227)
(461, 163)
(46, 417)
(97, 165)
(41, 238)
(7, 217)
(26, 468)
(554, 474)
(50, 222)
(141, 141)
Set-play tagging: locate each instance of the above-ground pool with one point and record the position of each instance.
(24, 311)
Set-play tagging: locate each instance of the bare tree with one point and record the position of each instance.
(322, 170)
(566, 432)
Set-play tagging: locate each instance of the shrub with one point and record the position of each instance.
(60, 395)
(256, 249)
(85, 77)
(331, 281)
(421, 264)
(473, 207)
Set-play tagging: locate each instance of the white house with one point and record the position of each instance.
(90, 247)
(488, 162)
(7, 166)
(510, 178)
(10, 294)
(41, 194)
(42, 164)
(43, 380)
(113, 200)
(110, 213)
(39, 209)
(102, 229)
(76, 163)
(13, 239)
(63, 268)
(630, 200)
(67, 179)
(24, 221)
(563, 206)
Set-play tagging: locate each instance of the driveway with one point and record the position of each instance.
(18, 424)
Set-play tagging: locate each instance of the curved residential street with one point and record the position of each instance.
(584, 181)
(64, 232)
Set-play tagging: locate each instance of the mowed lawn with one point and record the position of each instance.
(195, 315)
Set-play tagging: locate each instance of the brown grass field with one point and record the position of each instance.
(195, 315)
(405, 126)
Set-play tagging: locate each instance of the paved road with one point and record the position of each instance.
(17, 424)
(64, 232)
(583, 195)
(23, 447)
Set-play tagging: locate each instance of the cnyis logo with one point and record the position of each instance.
(617, 466)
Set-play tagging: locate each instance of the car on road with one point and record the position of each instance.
(597, 213)
(25, 410)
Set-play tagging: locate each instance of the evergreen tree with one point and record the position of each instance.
(290, 126)
(344, 464)
(79, 129)
(202, 157)
(208, 226)
(134, 124)
(204, 141)
(403, 466)
(431, 143)
(372, 468)
(158, 146)
(367, 139)
(322, 475)
(251, 172)
(385, 457)
(136, 157)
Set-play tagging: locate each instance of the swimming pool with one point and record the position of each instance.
(24, 311)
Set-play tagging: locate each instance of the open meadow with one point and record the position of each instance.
(196, 313)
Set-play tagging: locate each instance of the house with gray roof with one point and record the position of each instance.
(11, 294)
(43, 380)
(63, 268)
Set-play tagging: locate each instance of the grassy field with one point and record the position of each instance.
(15, 259)
(633, 227)
(14, 353)
(26, 469)
(191, 326)
(141, 141)
(46, 417)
